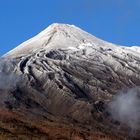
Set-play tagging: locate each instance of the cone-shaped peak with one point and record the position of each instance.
(57, 35)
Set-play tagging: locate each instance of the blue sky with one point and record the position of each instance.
(115, 21)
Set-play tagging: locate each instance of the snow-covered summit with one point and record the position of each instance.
(57, 36)
(70, 37)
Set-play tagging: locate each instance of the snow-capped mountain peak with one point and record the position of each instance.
(57, 36)
(65, 77)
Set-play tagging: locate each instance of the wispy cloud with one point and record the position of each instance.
(125, 108)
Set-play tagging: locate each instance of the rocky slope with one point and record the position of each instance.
(58, 85)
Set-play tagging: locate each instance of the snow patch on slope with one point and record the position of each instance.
(134, 48)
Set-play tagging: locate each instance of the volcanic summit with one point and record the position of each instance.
(59, 84)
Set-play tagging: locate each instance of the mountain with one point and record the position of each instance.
(60, 84)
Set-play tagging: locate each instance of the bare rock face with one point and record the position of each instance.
(58, 85)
